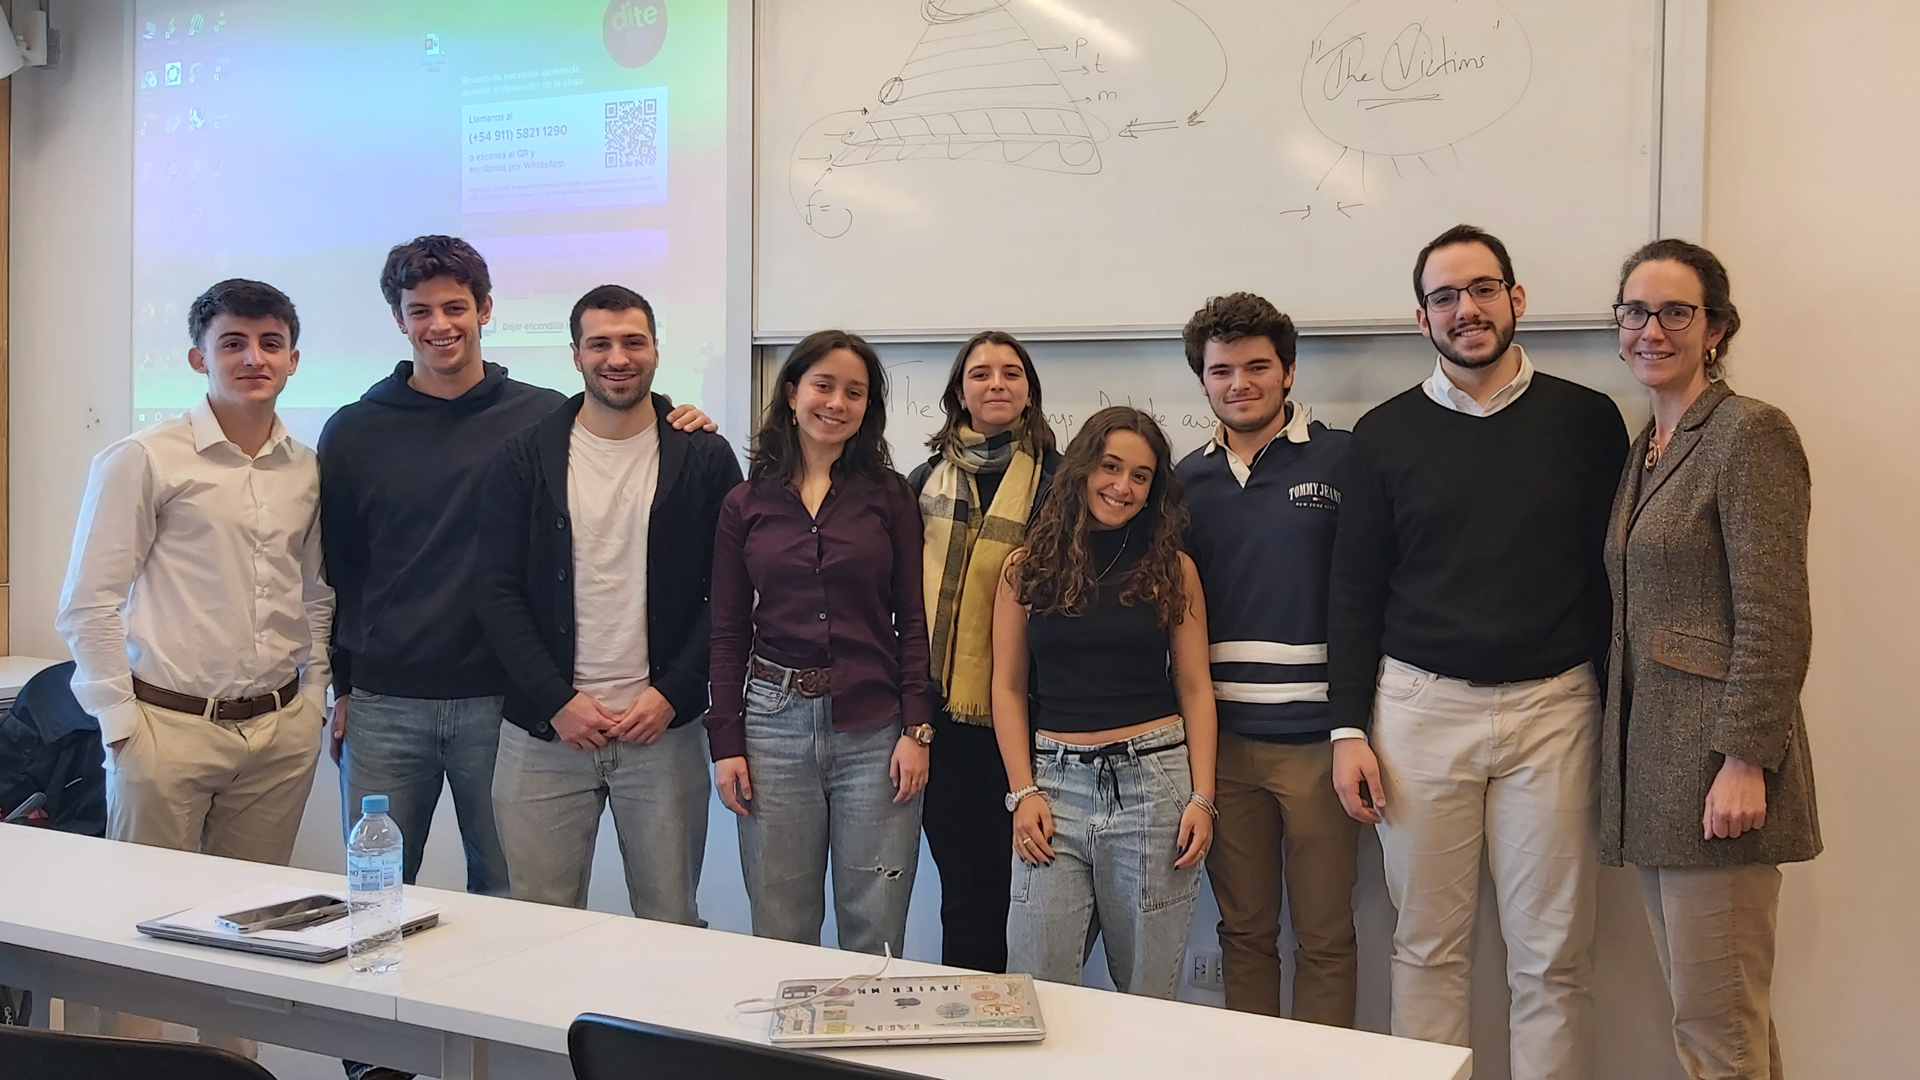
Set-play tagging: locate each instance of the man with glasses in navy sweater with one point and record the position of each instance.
(1469, 607)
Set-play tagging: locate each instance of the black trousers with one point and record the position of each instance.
(970, 834)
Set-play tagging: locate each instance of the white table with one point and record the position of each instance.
(689, 979)
(491, 992)
(68, 905)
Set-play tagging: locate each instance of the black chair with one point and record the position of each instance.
(609, 1048)
(60, 1055)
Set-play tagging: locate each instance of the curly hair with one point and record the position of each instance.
(427, 257)
(1239, 315)
(1055, 574)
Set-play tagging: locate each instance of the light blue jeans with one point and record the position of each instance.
(404, 748)
(1116, 819)
(548, 798)
(817, 793)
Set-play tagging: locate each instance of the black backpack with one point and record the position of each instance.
(50, 745)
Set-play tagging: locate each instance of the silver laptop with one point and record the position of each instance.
(909, 1011)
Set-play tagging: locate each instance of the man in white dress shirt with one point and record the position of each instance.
(194, 605)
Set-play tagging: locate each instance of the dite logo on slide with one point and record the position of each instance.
(635, 30)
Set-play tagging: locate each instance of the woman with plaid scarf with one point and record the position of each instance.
(993, 459)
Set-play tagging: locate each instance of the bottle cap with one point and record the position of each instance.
(373, 804)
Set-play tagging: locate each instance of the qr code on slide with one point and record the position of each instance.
(631, 126)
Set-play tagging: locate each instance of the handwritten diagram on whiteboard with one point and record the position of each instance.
(979, 88)
(934, 166)
(1407, 80)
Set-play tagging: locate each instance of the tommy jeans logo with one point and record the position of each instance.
(1316, 496)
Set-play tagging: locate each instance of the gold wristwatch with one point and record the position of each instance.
(920, 733)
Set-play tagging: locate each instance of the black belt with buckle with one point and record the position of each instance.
(810, 682)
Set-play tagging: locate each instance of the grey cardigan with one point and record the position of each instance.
(1707, 558)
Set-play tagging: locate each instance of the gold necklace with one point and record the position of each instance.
(1656, 447)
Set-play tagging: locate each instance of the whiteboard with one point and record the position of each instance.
(931, 167)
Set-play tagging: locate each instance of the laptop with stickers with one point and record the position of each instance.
(908, 1011)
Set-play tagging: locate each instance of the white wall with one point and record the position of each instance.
(71, 299)
(1811, 201)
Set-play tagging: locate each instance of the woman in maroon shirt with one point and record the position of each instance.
(820, 718)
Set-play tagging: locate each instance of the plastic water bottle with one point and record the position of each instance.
(373, 889)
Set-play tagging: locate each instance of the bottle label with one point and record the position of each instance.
(373, 873)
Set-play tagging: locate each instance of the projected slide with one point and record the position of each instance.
(574, 142)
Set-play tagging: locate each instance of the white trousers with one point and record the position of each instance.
(1507, 770)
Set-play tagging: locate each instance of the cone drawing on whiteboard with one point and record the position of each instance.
(975, 86)
(978, 87)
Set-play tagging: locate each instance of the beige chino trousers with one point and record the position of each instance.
(1505, 770)
(1714, 929)
(230, 788)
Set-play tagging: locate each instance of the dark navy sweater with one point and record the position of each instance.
(1470, 546)
(1264, 553)
(399, 471)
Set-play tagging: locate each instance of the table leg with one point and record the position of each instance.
(463, 1057)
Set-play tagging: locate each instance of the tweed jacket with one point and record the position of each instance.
(1707, 559)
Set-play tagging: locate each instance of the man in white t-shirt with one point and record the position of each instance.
(596, 528)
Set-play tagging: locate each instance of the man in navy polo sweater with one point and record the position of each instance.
(1264, 506)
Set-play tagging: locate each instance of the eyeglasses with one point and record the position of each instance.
(1674, 317)
(1484, 290)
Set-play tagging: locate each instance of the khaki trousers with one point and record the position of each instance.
(230, 788)
(1508, 771)
(1714, 929)
(1280, 821)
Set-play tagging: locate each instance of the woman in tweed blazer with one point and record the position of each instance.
(1706, 784)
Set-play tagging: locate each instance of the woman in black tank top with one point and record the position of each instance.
(1100, 631)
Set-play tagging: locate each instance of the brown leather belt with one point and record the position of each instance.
(242, 709)
(810, 682)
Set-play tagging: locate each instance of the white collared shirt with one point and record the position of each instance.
(1448, 396)
(196, 567)
(1295, 430)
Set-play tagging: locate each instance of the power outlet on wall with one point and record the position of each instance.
(1204, 972)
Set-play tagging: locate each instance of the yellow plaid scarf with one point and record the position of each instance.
(963, 554)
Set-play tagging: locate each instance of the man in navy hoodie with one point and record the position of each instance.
(418, 694)
(1264, 506)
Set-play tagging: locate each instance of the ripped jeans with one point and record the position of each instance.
(820, 792)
